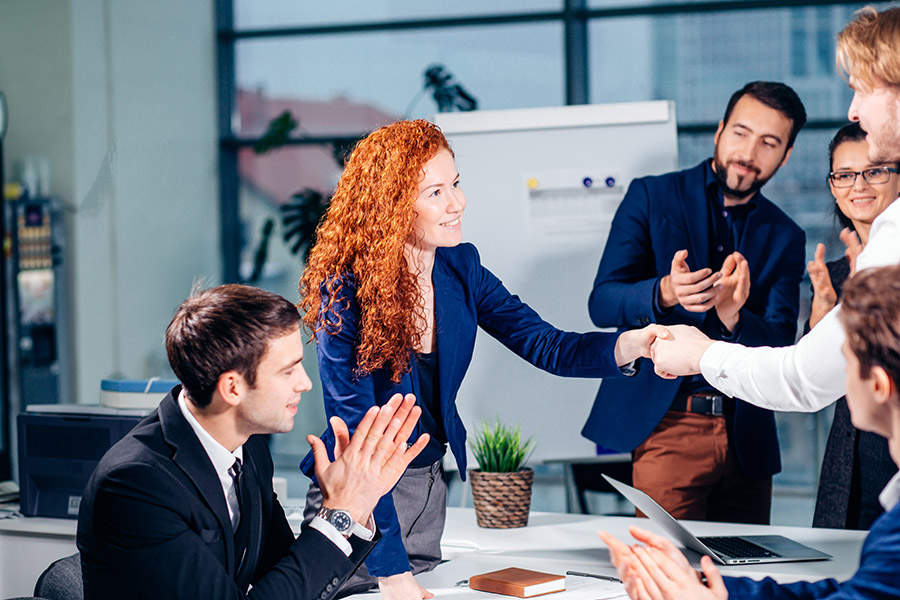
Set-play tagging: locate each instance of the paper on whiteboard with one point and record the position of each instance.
(569, 207)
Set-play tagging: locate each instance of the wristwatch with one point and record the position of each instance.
(340, 519)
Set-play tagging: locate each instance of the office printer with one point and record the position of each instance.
(59, 447)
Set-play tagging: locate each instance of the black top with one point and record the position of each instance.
(431, 421)
(856, 465)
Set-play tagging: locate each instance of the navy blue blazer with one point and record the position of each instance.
(659, 216)
(154, 524)
(466, 296)
(878, 575)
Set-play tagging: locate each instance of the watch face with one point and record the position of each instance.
(341, 520)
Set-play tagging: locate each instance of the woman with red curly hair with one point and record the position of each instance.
(394, 299)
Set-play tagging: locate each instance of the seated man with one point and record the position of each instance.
(183, 506)
(871, 320)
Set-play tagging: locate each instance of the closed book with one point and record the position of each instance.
(522, 583)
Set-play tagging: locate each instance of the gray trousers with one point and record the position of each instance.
(420, 498)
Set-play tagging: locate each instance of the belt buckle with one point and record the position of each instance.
(718, 405)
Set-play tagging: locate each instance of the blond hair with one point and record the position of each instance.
(869, 47)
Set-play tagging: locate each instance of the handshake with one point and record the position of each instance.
(674, 349)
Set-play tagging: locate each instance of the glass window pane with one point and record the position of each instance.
(700, 59)
(252, 14)
(351, 83)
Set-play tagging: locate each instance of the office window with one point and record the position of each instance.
(343, 69)
(252, 14)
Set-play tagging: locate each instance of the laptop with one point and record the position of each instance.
(727, 550)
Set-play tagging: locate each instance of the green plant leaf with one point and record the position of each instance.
(499, 448)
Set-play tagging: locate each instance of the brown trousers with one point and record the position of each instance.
(689, 467)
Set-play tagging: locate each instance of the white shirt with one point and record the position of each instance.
(890, 495)
(808, 376)
(222, 461)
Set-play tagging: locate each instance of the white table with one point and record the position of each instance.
(556, 543)
(552, 542)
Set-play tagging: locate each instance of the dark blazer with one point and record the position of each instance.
(878, 575)
(856, 464)
(154, 524)
(466, 296)
(659, 216)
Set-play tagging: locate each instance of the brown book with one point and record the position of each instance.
(518, 582)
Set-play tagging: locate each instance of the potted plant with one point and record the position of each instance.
(501, 487)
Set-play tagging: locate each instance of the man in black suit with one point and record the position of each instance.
(183, 506)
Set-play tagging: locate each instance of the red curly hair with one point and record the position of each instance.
(364, 235)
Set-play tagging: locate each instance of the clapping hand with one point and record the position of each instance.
(824, 296)
(369, 465)
(691, 289)
(733, 289)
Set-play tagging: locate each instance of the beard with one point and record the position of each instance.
(720, 170)
(884, 144)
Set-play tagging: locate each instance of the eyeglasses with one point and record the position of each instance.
(875, 176)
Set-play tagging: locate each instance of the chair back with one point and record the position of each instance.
(61, 580)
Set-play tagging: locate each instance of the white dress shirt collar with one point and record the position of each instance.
(890, 495)
(219, 455)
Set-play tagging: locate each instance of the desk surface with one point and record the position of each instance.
(556, 543)
(552, 542)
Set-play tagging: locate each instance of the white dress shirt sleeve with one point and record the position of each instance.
(809, 375)
(329, 531)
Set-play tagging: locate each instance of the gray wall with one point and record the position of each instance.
(119, 96)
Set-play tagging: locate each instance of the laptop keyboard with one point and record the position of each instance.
(735, 547)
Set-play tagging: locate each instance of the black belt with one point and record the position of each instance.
(702, 404)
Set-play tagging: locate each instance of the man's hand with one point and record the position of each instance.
(402, 586)
(636, 343)
(733, 288)
(691, 289)
(854, 246)
(824, 296)
(679, 352)
(369, 465)
(657, 570)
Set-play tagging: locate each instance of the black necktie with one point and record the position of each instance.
(242, 531)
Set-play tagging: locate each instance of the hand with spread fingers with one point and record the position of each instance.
(369, 465)
(824, 296)
(654, 569)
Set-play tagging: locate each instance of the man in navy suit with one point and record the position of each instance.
(183, 506)
(704, 247)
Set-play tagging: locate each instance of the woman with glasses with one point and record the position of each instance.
(856, 465)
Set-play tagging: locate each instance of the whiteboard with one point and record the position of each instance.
(542, 187)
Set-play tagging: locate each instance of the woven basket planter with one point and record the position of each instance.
(502, 500)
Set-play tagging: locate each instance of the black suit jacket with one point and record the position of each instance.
(154, 524)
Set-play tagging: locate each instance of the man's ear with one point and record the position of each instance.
(884, 389)
(231, 387)
(718, 133)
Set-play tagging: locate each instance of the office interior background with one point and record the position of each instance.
(147, 118)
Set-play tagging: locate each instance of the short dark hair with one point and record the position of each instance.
(774, 95)
(870, 314)
(225, 328)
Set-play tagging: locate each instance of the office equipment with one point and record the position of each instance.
(726, 550)
(59, 446)
(135, 393)
(542, 186)
(594, 575)
(513, 581)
